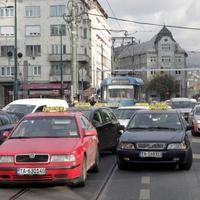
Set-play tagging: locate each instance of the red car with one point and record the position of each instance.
(50, 147)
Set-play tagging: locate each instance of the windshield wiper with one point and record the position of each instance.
(130, 128)
(161, 127)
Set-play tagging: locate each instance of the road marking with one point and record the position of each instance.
(196, 140)
(145, 180)
(196, 156)
(144, 194)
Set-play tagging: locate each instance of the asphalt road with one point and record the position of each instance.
(138, 183)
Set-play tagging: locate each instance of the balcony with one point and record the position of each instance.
(67, 57)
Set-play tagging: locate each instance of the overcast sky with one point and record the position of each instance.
(169, 12)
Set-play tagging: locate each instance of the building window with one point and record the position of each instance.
(7, 12)
(33, 50)
(57, 30)
(178, 72)
(57, 10)
(9, 71)
(178, 59)
(165, 47)
(85, 33)
(166, 59)
(7, 30)
(32, 11)
(55, 49)
(153, 59)
(32, 30)
(55, 69)
(36, 70)
(5, 49)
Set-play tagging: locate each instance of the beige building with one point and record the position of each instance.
(44, 39)
(162, 54)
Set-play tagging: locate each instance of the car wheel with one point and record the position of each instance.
(82, 179)
(95, 168)
(121, 165)
(187, 165)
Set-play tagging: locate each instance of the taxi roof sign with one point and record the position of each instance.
(53, 109)
(142, 104)
(159, 106)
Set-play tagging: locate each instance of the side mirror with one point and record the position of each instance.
(6, 134)
(121, 129)
(88, 133)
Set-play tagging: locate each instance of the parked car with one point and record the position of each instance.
(155, 136)
(194, 120)
(7, 123)
(50, 147)
(21, 107)
(107, 125)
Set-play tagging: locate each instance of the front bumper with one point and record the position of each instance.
(53, 174)
(168, 156)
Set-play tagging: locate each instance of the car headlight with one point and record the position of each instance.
(63, 158)
(181, 145)
(126, 145)
(6, 159)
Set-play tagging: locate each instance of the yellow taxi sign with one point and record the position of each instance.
(82, 105)
(142, 104)
(53, 109)
(159, 106)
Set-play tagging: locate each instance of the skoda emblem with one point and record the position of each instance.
(31, 156)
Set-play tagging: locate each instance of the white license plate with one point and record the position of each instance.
(150, 154)
(31, 171)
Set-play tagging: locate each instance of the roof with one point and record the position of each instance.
(158, 111)
(148, 46)
(180, 99)
(39, 101)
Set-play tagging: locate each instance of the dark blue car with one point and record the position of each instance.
(7, 123)
(155, 136)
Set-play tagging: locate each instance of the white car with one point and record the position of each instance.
(21, 107)
(124, 114)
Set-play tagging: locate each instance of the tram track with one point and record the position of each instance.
(19, 193)
(102, 189)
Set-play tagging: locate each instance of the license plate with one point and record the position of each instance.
(31, 171)
(150, 154)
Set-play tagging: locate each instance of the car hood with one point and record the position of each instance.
(153, 135)
(39, 145)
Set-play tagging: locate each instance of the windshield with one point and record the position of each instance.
(125, 113)
(37, 127)
(182, 104)
(19, 108)
(121, 92)
(155, 120)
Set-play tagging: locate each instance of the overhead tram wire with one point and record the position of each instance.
(149, 23)
(114, 15)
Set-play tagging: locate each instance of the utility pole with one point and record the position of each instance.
(74, 70)
(15, 57)
(61, 63)
(102, 75)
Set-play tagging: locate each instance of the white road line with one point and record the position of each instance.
(145, 180)
(145, 194)
(196, 140)
(196, 156)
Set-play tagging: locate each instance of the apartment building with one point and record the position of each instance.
(44, 47)
(161, 54)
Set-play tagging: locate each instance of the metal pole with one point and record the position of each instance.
(102, 75)
(15, 57)
(61, 64)
(74, 53)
